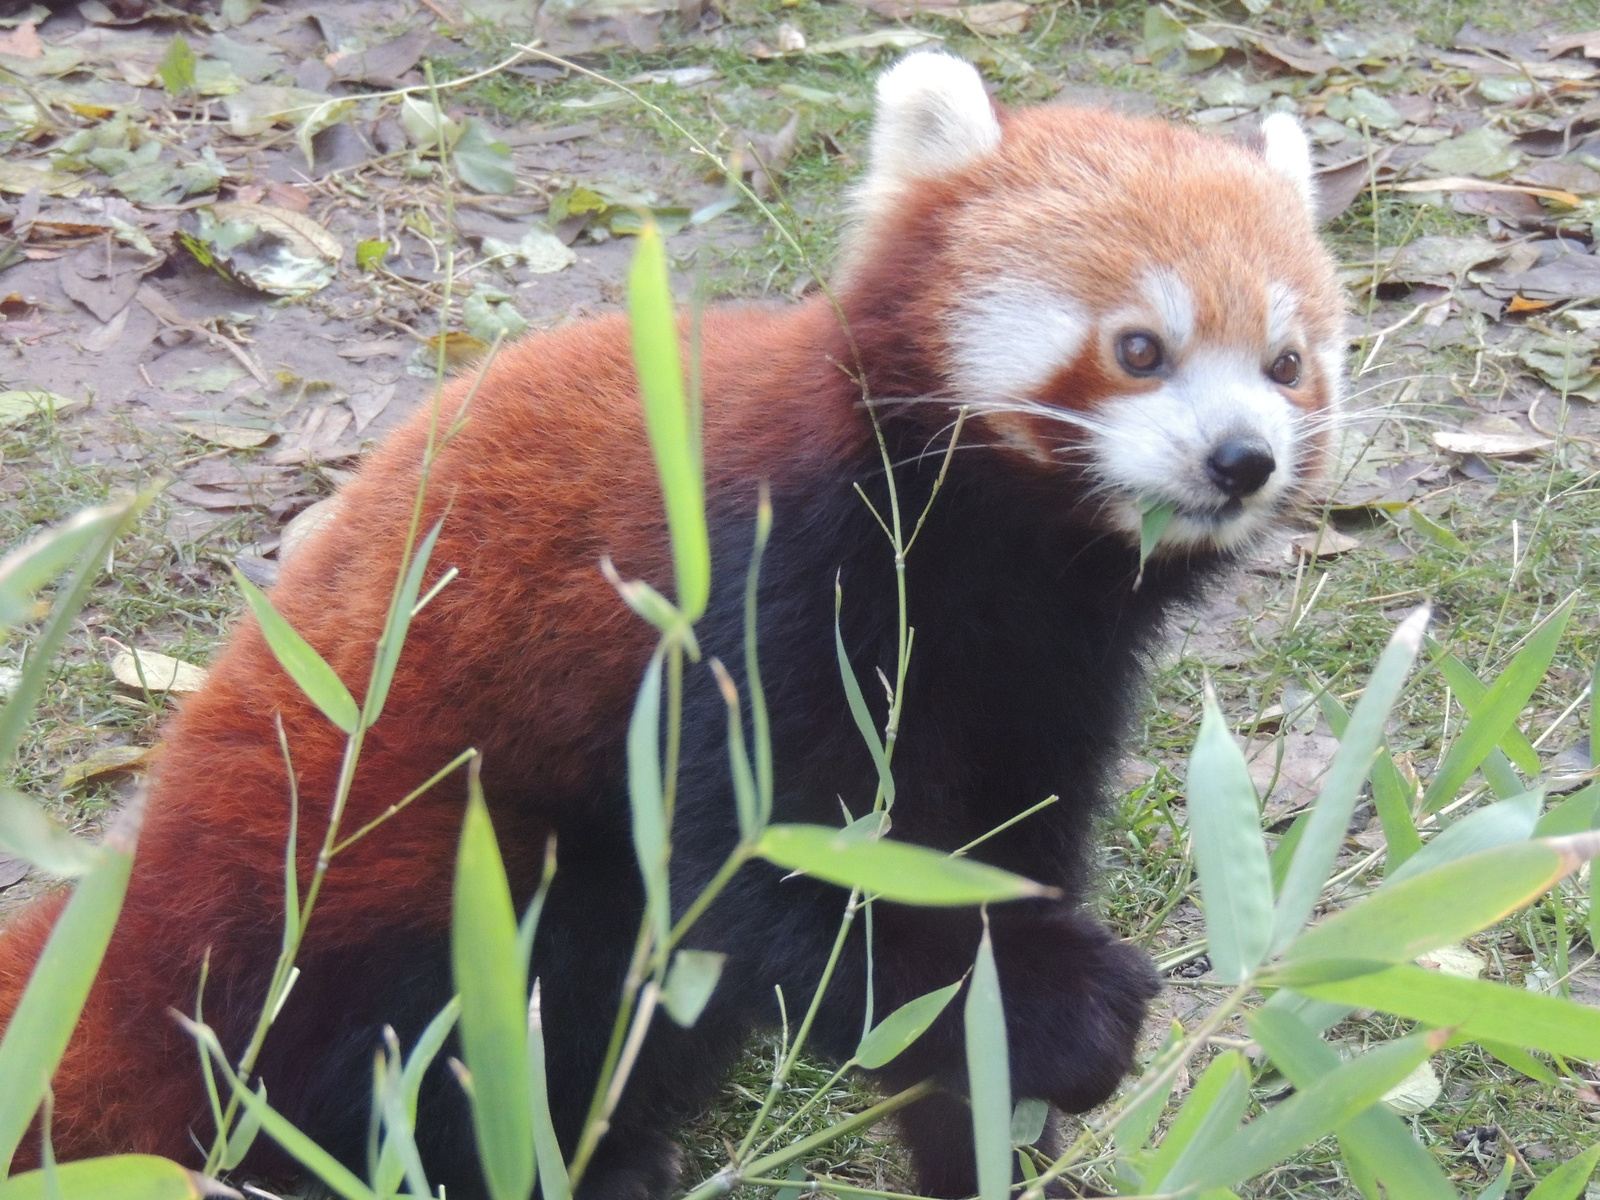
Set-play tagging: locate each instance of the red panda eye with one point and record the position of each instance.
(1140, 353)
(1285, 369)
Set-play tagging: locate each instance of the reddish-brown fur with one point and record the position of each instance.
(528, 655)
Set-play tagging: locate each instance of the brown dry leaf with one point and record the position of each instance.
(236, 437)
(1292, 766)
(1002, 18)
(12, 870)
(105, 278)
(382, 65)
(369, 403)
(1465, 183)
(1454, 959)
(304, 524)
(1521, 304)
(317, 439)
(1561, 44)
(377, 348)
(1339, 184)
(1491, 438)
(1563, 176)
(1303, 58)
(1323, 543)
(1570, 277)
(22, 42)
(108, 760)
(161, 672)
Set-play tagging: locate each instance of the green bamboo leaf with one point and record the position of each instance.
(1139, 1118)
(673, 424)
(393, 638)
(1470, 691)
(1567, 1181)
(119, 1177)
(1392, 793)
(896, 871)
(1028, 1120)
(494, 1005)
(1499, 709)
(91, 543)
(29, 833)
(989, 1075)
(1377, 1140)
(1229, 853)
(746, 799)
(44, 1018)
(36, 562)
(1154, 517)
(244, 1133)
(1211, 1112)
(1577, 813)
(888, 1039)
(1472, 1008)
(1352, 763)
(647, 800)
(1519, 1059)
(1594, 714)
(760, 726)
(1497, 824)
(1502, 1181)
(554, 1183)
(858, 703)
(690, 982)
(310, 671)
(1311, 1113)
(391, 1168)
(1435, 908)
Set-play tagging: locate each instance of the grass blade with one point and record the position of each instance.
(310, 671)
(494, 1013)
(554, 1183)
(1229, 852)
(1499, 709)
(673, 425)
(51, 1003)
(892, 870)
(989, 1075)
(1330, 817)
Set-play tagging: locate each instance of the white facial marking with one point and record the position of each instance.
(1282, 309)
(1289, 154)
(933, 118)
(1173, 306)
(1008, 341)
(1331, 358)
(1156, 444)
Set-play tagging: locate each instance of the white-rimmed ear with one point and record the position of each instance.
(933, 117)
(1287, 152)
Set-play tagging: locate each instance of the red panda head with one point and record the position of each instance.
(1139, 308)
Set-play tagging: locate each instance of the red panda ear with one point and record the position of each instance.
(933, 118)
(1283, 144)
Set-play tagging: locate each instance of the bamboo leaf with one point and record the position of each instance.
(36, 562)
(1472, 1008)
(858, 703)
(1352, 763)
(310, 671)
(1140, 1117)
(760, 726)
(1470, 691)
(690, 982)
(896, 871)
(1567, 1181)
(989, 1075)
(29, 833)
(746, 799)
(395, 626)
(44, 1018)
(1229, 853)
(1376, 1139)
(554, 1183)
(1434, 908)
(1392, 793)
(1497, 824)
(895, 1033)
(674, 427)
(494, 1022)
(119, 1177)
(1499, 709)
(646, 799)
(1311, 1113)
(390, 1167)
(1211, 1112)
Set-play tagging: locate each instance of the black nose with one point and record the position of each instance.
(1239, 466)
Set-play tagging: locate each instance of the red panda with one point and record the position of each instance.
(1129, 311)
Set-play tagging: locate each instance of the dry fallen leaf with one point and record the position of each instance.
(22, 42)
(107, 760)
(1453, 960)
(1490, 444)
(1416, 1093)
(1323, 543)
(160, 672)
(304, 525)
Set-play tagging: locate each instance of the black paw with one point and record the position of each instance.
(632, 1165)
